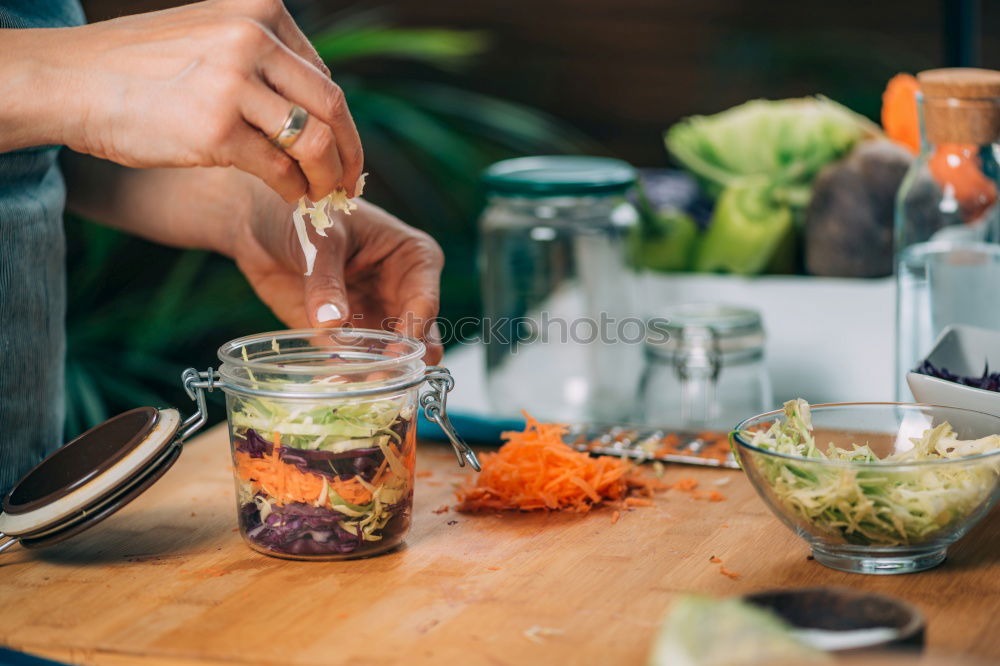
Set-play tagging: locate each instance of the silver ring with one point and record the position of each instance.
(291, 128)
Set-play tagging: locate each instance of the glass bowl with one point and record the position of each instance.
(875, 517)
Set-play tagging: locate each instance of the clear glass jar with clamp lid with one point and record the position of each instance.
(704, 368)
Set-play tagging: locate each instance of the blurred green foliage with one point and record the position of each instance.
(139, 314)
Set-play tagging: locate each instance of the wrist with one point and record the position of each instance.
(41, 101)
(242, 204)
(224, 203)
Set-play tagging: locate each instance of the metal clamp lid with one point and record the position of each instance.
(433, 401)
(435, 404)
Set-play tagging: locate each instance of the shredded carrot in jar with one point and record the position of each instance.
(287, 483)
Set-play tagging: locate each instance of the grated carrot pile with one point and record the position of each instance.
(536, 469)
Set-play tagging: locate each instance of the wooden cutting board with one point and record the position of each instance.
(169, 581)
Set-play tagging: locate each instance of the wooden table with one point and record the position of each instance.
(169, 581)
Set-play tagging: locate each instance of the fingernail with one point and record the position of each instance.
(327, 312)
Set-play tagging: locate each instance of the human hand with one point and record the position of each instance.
(371, 271)
(205, 85)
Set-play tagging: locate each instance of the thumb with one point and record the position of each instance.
(325, 294)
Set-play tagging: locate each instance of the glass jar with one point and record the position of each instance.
(947, 225)
(704, 368)
(322, 426)
(559, 288)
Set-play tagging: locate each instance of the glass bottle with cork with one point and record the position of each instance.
(947, 229)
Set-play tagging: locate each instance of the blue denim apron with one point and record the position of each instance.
(32, 280)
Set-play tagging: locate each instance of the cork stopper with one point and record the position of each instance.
(961, 105)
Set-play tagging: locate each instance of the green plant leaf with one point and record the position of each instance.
(513, 126)
(169, 303)
(89, 401)
(437, 47)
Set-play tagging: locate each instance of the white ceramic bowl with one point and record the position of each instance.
(964, 351)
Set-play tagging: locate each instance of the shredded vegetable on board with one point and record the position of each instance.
(321, 217)
(536, 470)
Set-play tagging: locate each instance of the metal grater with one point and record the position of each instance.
(641, 442)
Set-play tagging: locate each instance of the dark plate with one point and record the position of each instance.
(844, 609)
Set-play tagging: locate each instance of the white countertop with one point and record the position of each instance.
(828, 339)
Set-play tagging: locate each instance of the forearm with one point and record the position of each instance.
(193, 208)
(37, 100)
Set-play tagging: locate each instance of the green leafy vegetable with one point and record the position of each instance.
(767, 153)
(876, 502)
(701, 631)
(666, 241)
(747, 226)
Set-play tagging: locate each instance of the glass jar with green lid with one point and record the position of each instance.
(561, 327)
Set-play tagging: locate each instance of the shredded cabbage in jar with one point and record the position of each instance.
(321, 217)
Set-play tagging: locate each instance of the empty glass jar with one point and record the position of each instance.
(704, 368)
(560, 328)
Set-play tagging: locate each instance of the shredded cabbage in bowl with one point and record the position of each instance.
(888, 501)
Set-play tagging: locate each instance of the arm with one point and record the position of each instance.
(26, 117)
(198, 85)
(371, 271)
(192, 208)
(202, 86)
